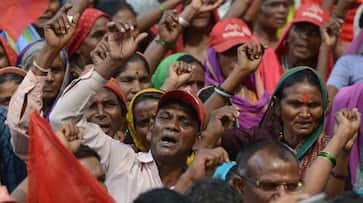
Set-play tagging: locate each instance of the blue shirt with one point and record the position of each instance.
(347, 71)
(12, 169)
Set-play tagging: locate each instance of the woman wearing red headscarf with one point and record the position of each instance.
(308, 41)
(91, 28)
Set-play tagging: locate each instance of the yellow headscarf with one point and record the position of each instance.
(130, 117)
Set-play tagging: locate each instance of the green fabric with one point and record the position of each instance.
(314, 136)
(162, 71)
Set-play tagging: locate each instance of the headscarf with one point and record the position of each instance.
(25, 59)
(116, 89)
(162, 71)
(130, 116)
(350, 97)
(313, 137)
(10, 53)
(14, 70)
(85, 24)
(356, 44)
(250, 114)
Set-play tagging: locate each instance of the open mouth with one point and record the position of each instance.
(168, 140)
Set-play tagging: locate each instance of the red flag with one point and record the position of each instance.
(16, 15)
(55, 175)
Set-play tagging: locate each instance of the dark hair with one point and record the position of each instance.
(138, 57)
(275, 149)
(190, 59)
(213, 191)
(85, 151)
(305, 75)
(161, 195)
(346, 197)
(111, 7)
(11, 77)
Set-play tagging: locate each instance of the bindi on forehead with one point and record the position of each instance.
(305, 98)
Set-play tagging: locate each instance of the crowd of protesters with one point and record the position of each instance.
(192, 101)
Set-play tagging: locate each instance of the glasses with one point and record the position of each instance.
(271, 186)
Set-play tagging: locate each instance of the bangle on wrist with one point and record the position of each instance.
(161, 8)
(183, 22)
(329, 157)
(165, 44)
(43, 70)
(338, 176)
(222, 92)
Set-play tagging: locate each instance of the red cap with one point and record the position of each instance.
(188, 98)
(229, 33)
(311, 13)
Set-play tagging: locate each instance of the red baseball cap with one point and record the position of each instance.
(187, 97)
(229, 33)
(311, 13)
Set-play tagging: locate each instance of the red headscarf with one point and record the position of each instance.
(271, 67)
(116, 89)
(85, 23)
(10, 53)
(55, 175)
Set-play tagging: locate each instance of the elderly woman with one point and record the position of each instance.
(141, 110)
(308, 41)
(48, 75)
(91, 28)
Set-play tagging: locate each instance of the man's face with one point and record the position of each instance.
(173, 132)
(276, 177)
(105, 111)
(54, 80)
(227, 60)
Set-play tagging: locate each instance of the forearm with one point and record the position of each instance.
(183, 183)
(237, 10)
(328, 4)
(154, 54)
(74, 101)
(231, 84)
(336, 182)
(318, 174)
(323, 61)
(44, 59)
(146, 21)
(251, 13)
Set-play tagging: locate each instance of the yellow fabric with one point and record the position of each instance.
(130, 117)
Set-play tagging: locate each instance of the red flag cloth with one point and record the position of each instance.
(16, 15)
(55, 175)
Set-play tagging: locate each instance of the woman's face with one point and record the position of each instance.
(196, 81)
(133, 79)
(105, 111)
(4, 62)
(227, 60)
(99, 29)
(273, 13)
(144, 111)
(304, 41)
(301, 109)
(7, 89)
(201, 20)
(54, 80)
